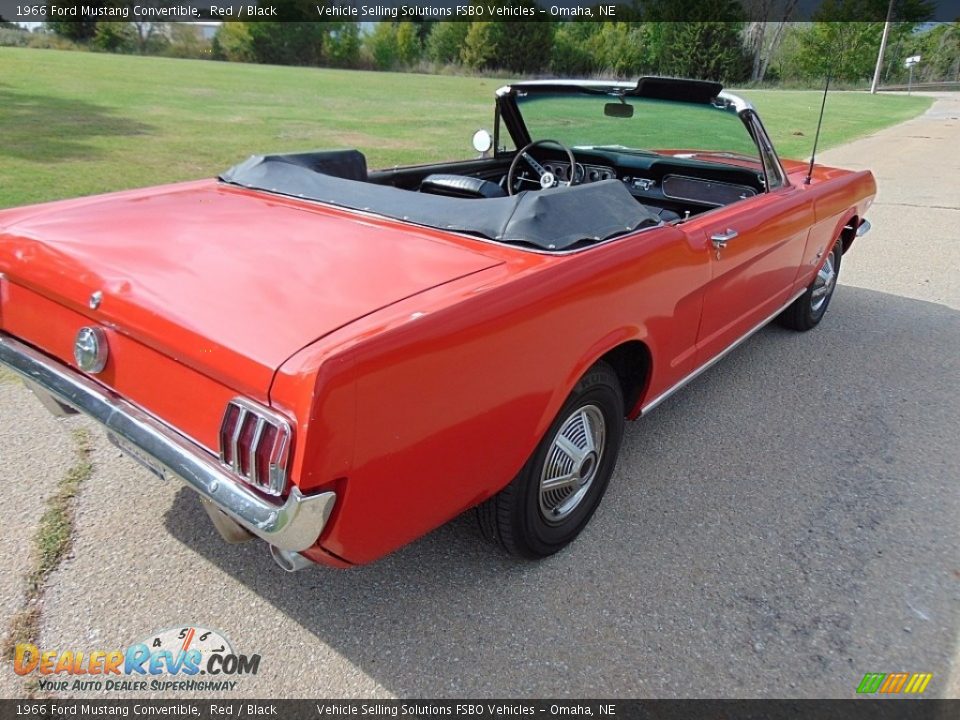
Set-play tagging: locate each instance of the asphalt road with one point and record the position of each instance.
(786, 524)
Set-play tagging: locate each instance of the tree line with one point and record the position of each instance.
(731, 48)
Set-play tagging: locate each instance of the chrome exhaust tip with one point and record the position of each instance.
(289, 561)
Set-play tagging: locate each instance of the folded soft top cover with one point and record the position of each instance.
(554, 219)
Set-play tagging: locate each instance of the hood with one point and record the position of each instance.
(229, 281)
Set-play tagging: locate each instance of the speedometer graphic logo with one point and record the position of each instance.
(175, 640)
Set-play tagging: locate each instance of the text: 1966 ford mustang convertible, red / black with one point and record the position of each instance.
(339, 360)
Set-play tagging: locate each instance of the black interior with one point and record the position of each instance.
(463, 186)
(552, 219)
(615, 192)
(671, 187)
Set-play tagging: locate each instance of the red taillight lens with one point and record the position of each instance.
(227, 429)
(246, 450)
(255, 444)
(262, 459)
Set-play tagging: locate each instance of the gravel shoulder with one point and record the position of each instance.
(39, 450)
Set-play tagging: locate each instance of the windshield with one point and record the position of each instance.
(638, 124)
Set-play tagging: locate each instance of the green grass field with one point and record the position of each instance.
(74, 123)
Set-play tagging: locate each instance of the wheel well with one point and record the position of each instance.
(632, 363)
(849, 232)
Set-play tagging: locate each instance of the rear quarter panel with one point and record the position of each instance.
(453, 389)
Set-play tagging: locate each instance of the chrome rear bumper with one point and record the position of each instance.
(293, 525)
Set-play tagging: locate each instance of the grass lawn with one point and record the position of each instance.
(74, 123)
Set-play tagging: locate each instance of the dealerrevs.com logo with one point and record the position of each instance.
(169, 660)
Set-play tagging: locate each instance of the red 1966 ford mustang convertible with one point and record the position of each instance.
(338, 361)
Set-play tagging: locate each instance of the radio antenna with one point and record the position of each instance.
(816, 139)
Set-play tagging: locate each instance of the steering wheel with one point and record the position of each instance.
(547, 178)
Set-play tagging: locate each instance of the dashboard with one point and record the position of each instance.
(679, 184)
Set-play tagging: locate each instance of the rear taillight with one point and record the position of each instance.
(255, 444)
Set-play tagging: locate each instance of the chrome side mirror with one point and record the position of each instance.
(482, 142)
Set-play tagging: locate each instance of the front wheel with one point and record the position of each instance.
(556, 493)
(808, 310)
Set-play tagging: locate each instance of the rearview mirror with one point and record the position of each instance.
(618, 110)
(482, 141)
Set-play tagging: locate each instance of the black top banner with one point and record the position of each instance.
(859, 709)
(476, 10)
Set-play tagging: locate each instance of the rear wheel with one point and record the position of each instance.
(807, 310)
(556, 493)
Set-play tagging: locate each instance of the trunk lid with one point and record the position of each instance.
(228, 281)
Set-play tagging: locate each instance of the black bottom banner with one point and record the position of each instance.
(854, 709)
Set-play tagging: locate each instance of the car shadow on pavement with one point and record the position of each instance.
(758, 526)
(47, 128)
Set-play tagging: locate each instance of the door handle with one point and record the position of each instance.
(720, 240)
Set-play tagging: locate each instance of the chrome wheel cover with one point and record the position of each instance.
(572, 463)
(824, 283)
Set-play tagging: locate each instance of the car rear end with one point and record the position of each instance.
(232, 450)
(166, 314)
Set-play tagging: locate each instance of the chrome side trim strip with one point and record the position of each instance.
(293, 525)
(717, 358)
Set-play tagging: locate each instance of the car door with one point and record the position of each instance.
(755, 246)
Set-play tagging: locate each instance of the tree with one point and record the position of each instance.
(522, 47)
(842, 50)
(677, 11)
(381, 45)
(840, 44)
(149, 37)
(705, 50)
(423, 28)
(446, 40)
(478, 46)
(682, 44)
(570, 54)
(232, 42)
(619, 48)
(79, 28)
(343, 45)
(286, 43)
(408, 44)
(186, 42)
(297, 40)
(939, 48)
(114, 37)
(762, 37)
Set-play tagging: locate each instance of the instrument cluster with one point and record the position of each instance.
(583, 173)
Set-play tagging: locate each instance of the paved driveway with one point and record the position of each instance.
(784, 525)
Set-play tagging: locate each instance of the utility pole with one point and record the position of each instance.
(883, 48)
